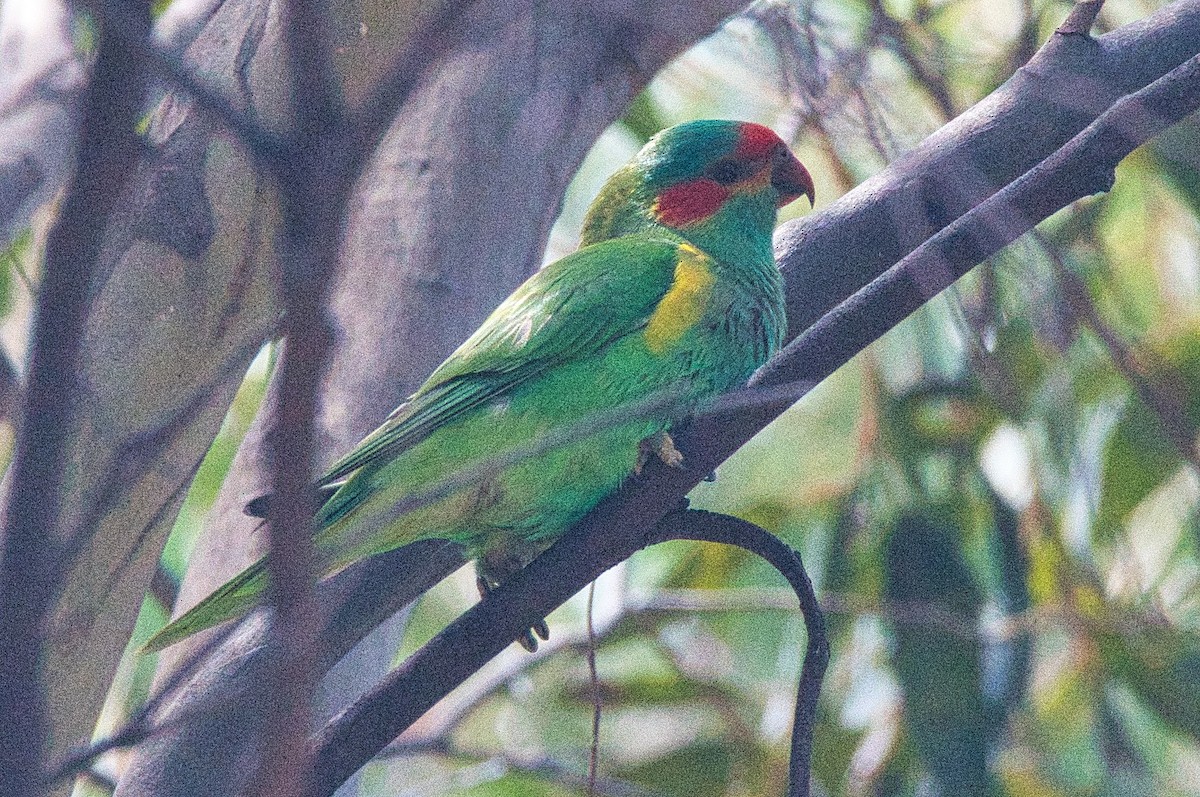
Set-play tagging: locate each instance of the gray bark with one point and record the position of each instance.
(40, 80)
(644, 511)
(183, 299)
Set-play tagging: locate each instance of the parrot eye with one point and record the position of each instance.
(729, 171)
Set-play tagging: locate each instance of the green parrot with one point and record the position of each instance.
(674, 288)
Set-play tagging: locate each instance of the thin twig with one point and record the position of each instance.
(315, 186)
(1083, 165)
(898, 39)
(663, 402)
(1163, 404)
(594, 678)
(384, 712)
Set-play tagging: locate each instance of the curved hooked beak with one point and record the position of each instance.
(792, 181)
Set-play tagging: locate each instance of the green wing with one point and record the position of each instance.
(572, 307)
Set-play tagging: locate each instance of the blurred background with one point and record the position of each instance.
(998, 502)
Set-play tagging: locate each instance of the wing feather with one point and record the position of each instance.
(573, 307)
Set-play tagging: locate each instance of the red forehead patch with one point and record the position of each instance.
(755, 141)
(690, 202)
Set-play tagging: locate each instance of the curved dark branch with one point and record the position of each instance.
(825, 259)
(704, 526)
(371, 723)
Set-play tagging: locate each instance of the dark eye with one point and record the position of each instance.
(728, 172)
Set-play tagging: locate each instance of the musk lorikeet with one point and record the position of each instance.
(674, 288)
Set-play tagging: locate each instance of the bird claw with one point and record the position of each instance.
(542, 630)
(662, 446)
(527, 640)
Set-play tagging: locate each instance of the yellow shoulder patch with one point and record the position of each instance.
(684, 302)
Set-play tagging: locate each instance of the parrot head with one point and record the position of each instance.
(716, 183)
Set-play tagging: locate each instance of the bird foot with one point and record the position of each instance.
(662, 446)
(528, 639)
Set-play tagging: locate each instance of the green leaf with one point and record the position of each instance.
(948, 718)
(1176, 370)
(643, 118)
(1137, 458)
(1009, 659)
(13, 259)
(513, 784)
(1177, 155)
(1160, 664)
(696, 771)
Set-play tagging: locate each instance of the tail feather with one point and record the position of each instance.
(232, 599)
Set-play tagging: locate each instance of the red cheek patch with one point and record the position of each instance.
(755, 141)
(690, 202)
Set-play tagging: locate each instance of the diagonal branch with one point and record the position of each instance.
(826, 258)
(369, 725)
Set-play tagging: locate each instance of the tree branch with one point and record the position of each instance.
(1083, 15)
(712, 527)
(826, 257)
(40, 89)
(36, 544)
(312, 225)
(525, 89)
(356, 735)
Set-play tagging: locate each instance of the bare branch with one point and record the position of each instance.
(31, 565)
(1083, 15)
(402, 306)
(829, 256)
(312, 224)
(711, 527)
(435, 34)
(356, 735)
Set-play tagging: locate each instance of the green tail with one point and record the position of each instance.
(232, 599)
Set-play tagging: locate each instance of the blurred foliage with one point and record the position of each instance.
(999, 502)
